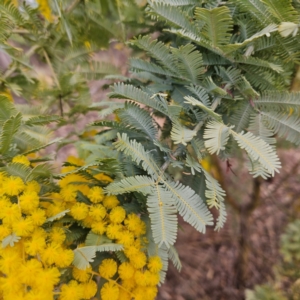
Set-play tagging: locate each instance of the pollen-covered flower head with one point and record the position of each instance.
(117, 214)
(111, 201)
(79, 211)
(13, 186)
(155, 264)
(96, 194)
(109, 291)
(21, 159)
(126, 270)
(108, 268)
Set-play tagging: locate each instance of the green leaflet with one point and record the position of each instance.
(216, 136)
(259, 150)
(9, 128)
(138, 154)
(190, 206)
(163, 216)
(138, 183)
(85, 255)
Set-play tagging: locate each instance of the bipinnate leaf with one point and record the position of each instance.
(10, 240)
(190, 205)
(163, 215)
(137, 183)
(259, 150)
(58, 216)
(174, 257)
(138, 154)
(181, 135)
(83, 256)
(9, 128)
(216, 135)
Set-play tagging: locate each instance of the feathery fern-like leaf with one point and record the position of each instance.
(137, 183)
(9, 128)
(138, 154)
(162, 212)
(218, 24)
(216, 136)
(259, 150)
(181, 135)
(190, 206)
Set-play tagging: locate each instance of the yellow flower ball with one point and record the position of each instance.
(97, 212)
(108, 268)
(71, 291)
(29, 201)
(79, 211)
(139, 260)
(126, 270)
(38, 217)
(89, 289)
(82, 275)
(96, 194)
(13, 186)
(99, 227)
(110, 202)
(21, 159)
(117, 214)
(109, 291)
(155, 264)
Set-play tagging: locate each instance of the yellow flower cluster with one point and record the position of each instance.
(45, 9)
(138, 277)
(35, 251)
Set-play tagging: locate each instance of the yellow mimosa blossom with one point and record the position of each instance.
(151, 279)
(131, 251)
(29, 201)
(45, 9)
(69, 193)
(128, 284)
(113, 231)
(21, 159)
(38, 217)
(82, 275)
(108, 268)
(110, 202)
(23, 227)
(48, 279)
(117, 214)
(126, 270)
(13, 186)
(10, 261)
(71, 291)
(57, 235)
(32, 186)
(135, 224)
(49, 254)
(140, 278)
(155, 264)
(89, 289)
(64, 257)
(99, 227)
(96, 194)
(34, 245)
(97, 212)
(30, 270)
(109, 291)
(79, 211)
(123, 295)
(10, 214)
(126, 238)
(139, 260)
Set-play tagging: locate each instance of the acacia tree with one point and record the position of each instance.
(218, 77)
